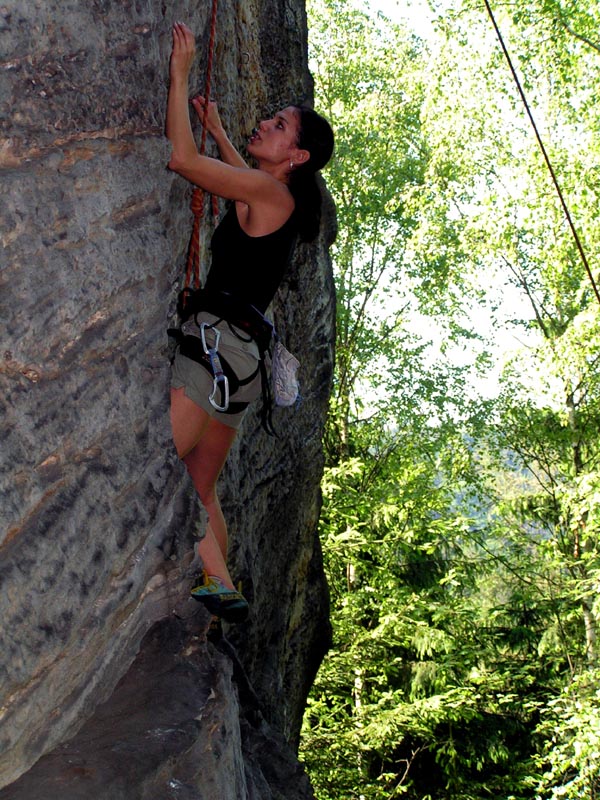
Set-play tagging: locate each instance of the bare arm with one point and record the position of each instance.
(179, 129)
(233, 182)
(266, 202)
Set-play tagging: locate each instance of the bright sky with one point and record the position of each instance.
(417, 15)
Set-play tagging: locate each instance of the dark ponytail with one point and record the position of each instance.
(316, 136)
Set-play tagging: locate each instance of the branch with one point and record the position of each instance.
(576, 35)
(522, 280)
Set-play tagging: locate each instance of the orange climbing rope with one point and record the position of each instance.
(192, 273)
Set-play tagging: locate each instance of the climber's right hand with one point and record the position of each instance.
(212, 119)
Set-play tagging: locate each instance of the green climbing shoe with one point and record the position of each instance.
(227, 604)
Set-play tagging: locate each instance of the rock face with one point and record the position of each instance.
(109, 684)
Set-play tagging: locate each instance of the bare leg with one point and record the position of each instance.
(203, 444)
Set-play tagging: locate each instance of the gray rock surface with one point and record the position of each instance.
(98, 516)
(183, 722)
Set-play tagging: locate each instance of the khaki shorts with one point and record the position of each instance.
(241, 355)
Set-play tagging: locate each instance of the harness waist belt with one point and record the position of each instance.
(227, 306)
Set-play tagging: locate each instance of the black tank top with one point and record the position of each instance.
(250, 267)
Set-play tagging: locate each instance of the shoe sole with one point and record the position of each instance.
(229, 611)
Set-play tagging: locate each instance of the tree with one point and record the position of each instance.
(460, 534)
(369, 83)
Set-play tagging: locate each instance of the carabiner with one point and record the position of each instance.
(211, 398)
(217, 333)
(216, 366)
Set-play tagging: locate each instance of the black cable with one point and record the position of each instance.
(545, 154)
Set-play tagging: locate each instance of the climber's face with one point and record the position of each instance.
(275, 140)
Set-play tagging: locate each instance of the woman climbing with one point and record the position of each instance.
(218, 376)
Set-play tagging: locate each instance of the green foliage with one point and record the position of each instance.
(570, 728)
(370, 83)
(460, 534)
(423, 689)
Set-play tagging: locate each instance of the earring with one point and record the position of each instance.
(291, 165)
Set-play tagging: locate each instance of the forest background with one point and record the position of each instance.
(462, 491)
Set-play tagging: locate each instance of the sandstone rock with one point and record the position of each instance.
(98, 515)
(182, 723)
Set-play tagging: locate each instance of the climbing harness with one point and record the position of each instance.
(219, 377)
(246, 324)
(544, 152)
(192, 343)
